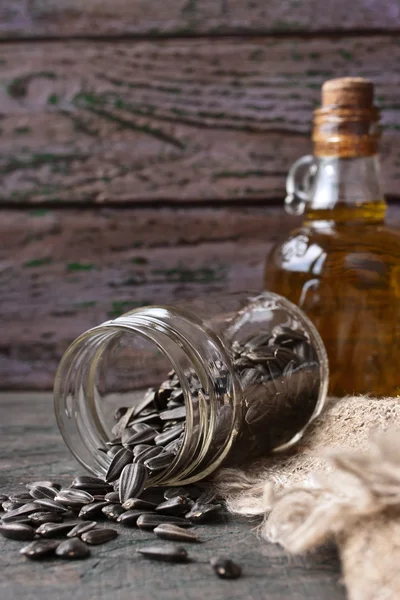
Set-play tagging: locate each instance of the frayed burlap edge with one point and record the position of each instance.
(341, 483)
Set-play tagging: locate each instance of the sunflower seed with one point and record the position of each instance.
(147, 400)
(72, 549)
(92, 511)
(178, 505)
(167, 553)
(152, 419)
(114, 450)
(73, 498)
(150, 521)
(42, 491)
(50, 505)
(139, 504)
(139, 434)
(40, 549)
(129, 517)
(93, 485)
(112, 511)
(40, 517)
(9, 506)
(168, 436)
(20, 513)
(122, 458)
(150, 452)
(99, 536)
(174, 446)
(174, 414)
(3, 498)
(17, 531)
(50, 530)
(203, 512)
(50, 484)
(174, 533)
(120, 412)
(81, 528)
(132, 481)
(156, 463)
(23, 497)
(175, 491)
(225, 568)
(112, 497)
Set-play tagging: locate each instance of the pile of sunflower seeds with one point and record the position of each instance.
(63, 522)
(279, 374)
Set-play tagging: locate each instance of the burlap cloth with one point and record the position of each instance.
(341, 483)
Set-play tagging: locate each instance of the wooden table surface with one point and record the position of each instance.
(31, 448)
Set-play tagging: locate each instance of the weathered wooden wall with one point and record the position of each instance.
(144, 147)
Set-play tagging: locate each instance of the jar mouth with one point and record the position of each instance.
(183, 345)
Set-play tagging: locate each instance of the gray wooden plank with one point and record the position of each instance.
(175, 120)
(126, 17)
(31, 448)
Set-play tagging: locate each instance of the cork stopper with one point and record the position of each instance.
(348, 92)
(347, 123)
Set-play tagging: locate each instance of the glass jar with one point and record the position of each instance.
(245, 395)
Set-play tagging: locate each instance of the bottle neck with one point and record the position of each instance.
(346, 190)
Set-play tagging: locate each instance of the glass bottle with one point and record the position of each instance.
(110, 365)
(342, 265)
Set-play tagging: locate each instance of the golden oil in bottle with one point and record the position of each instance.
(342, 265)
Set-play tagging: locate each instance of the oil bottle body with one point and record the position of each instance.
(346, 277)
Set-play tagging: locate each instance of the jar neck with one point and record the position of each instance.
(193, 351)
(346, 190)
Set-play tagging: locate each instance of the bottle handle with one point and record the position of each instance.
(298, 184)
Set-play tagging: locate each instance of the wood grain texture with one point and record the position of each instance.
(121, 17)
(177, 120)
(116, 570)
(64, 271)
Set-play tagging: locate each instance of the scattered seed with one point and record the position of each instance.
(122, 458)
(19, 513)
(99, 536)
(23, 497)
(203, 512)
(93, 485)
(167, 553)
(92, 511)
(112, 497)
(225, 568)
(112, 511)
(132, 481)
(129, 517)
(149, 521)
(72, 549)
(81, 528)
(139, 504)
(177, 505)
(41, 491)
(17, 531)
(50, 530)
(73, 498)
(40, 517)
(9, 506)
(40, 549)
(50, 505)
(174, 533)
